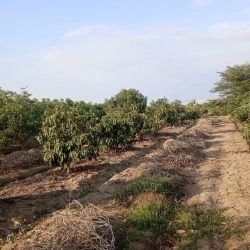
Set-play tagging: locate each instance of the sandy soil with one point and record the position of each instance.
(219, 180)
(222, 180)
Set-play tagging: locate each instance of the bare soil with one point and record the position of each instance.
(220, 179)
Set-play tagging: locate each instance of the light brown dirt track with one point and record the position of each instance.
(220, 179)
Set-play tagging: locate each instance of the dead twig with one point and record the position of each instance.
(74, 228)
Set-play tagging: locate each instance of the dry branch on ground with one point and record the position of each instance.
(185, 150)
(74, 228)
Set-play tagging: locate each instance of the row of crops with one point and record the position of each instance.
(70, 130)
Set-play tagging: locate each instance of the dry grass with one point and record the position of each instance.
(148, 197)
(204, 124)
(173, 161)
(196, 132)
(74, 228)
(174, 146)
(194, 142)
(187, 148)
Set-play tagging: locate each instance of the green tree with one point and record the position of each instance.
(193, 111)
(69, 133)
(19, 118)
(156, 115)
(131, 105)
(215, 107)
(234, 88)
(242, 113)
(176, 114)
(116, 130)
(233, 81)
(127, 100)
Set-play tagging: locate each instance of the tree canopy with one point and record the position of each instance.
(128, 100)
(234, 81)
(70, 130)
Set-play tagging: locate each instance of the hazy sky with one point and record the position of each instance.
(91, 49)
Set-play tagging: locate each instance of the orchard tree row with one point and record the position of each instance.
(234, 91)
(70, 130)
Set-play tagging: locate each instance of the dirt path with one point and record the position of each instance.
(222, 180)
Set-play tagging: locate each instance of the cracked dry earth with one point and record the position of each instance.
(223, 180)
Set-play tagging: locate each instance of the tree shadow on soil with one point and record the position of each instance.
(30, 208)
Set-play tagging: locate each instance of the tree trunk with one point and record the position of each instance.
(68, 168)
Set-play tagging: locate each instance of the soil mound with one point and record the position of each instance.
(22, 159)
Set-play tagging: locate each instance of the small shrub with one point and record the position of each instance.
(150, 212)
(155, 209)
(246, 133)
(242, 113)
(150, 184)
(155, 213)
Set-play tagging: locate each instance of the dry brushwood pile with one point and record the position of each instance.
(22, 159)
(73, 228)
(186, 149)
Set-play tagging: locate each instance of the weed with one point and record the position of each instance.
(155, 208)
(150, 184)
(246, 132)
(198, 223)
(151, 213)
(166, 217)
(52, 177)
